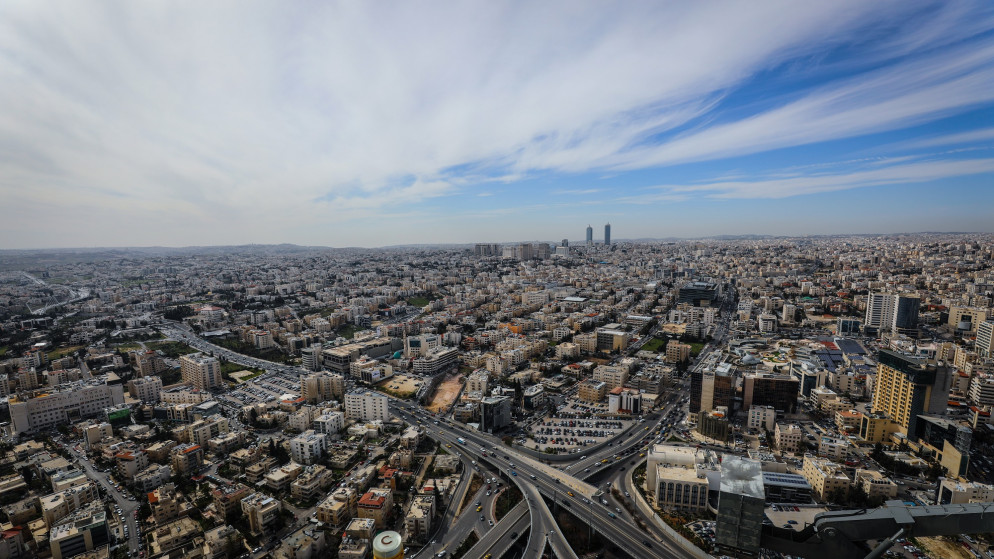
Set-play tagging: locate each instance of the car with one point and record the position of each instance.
(647, 543)
(570, 493)
(514, 535)
(481, 518)
(491, 522)
(513, 473)
(612, 515)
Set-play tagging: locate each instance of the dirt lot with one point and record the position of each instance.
(937, 547)
(401, 386)
(446, 394)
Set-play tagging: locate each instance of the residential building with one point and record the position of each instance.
(147, 389)
(875, 485)
(590, 390)
(228, 498)
(173, 536)
(761, 418)
(828, 481)
(308, 447)
(377, 505)
(329, 424)
(367, 406)
(201, 371)
(56, 506)
(788, 437)
(322, 386)
(312, 482)
(419, 517)
(338, 507)
(187, 458)
(261, 511)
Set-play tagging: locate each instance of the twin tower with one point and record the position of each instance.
(607, 235)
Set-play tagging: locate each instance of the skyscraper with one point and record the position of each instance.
(590, 235)
(607, 234)
(907, 387)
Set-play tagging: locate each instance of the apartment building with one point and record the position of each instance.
(201, 371)
(261, 511)
(308, 447)
(367, 406)
(827, 479)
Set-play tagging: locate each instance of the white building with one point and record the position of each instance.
(330, 423)
(63, 405)
(367, 406)
(762, 417)
(308, 447)
(436, 361)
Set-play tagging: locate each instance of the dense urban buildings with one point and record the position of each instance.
(264, 386)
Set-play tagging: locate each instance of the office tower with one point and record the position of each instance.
(201, 371)
(710, 389)
(779, 391)
(741, 500)
(888, 311)
(607, 234)
(985, 339)
(907, 387)
(698, 293)
(565, 243)
(590, 235)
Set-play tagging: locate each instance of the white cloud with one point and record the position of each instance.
(253, 112)
(797, 184)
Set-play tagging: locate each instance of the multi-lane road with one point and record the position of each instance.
(127, 506)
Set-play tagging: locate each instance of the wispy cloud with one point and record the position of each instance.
(799, 185)
(246, 112)
(577, 191)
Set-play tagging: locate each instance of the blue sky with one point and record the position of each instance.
(370, 124)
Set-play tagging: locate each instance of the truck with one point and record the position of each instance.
(461, 440)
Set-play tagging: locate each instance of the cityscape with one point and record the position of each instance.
(584, 398)
(541, 280)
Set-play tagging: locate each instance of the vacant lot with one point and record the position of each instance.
(446, 394)
(401, 386)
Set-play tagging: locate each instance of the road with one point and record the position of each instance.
(128, 507)
(556, 485)
(74, 295)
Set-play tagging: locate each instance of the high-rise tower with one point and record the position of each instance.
(607, 234)
(590, 235)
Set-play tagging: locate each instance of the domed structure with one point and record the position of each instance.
(388, 545)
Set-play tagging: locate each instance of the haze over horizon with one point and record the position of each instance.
(377, 124)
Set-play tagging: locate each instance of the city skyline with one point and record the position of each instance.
(130, 126)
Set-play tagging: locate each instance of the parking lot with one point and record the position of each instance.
(567, 432)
